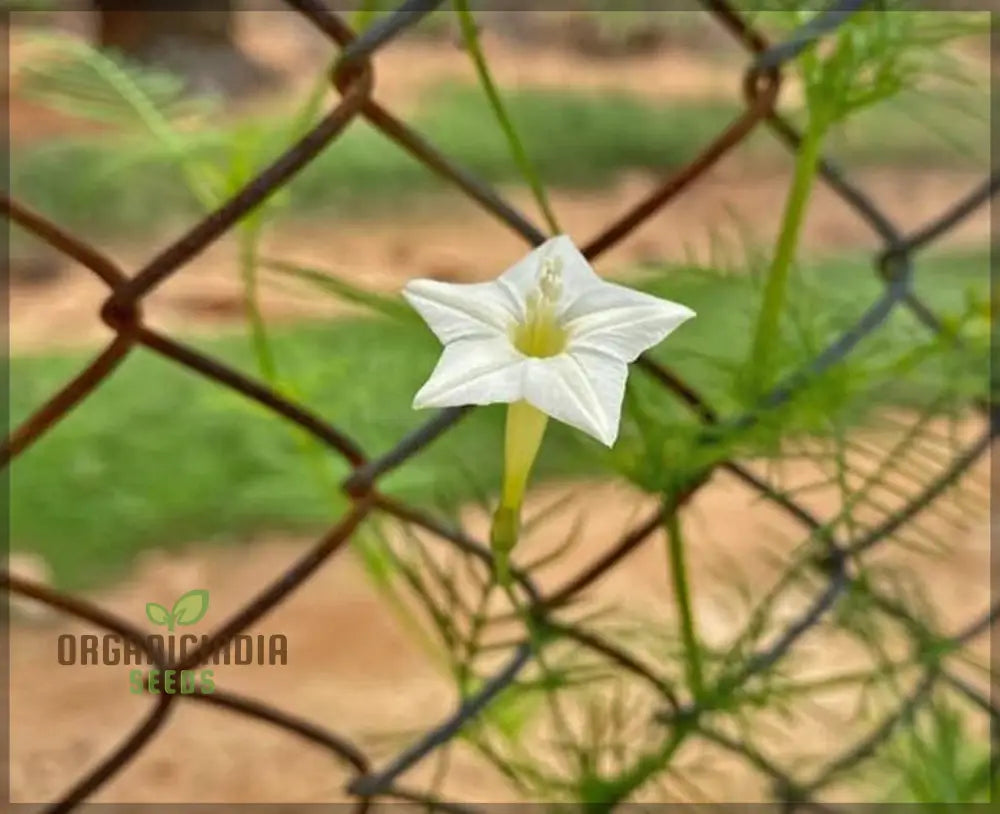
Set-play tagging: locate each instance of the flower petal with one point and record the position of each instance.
(455, 311)
(621, 321)
(474, 371)
(577, 275)
(584, 389)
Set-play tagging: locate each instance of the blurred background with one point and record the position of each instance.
(127, 126)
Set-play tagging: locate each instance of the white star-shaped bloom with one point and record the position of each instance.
(548, 331)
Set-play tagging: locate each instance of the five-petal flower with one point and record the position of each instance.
(548, 331)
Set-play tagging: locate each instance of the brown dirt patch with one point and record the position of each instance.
(412, 65)
(292, 48)
(456, 240)
(355, 668)
(467, 244)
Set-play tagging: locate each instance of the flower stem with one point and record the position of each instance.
(682, 596)
(768, 322)
(249, 240)
(537, 641)
(471, 37)
(525, 428)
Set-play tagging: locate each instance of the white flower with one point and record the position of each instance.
(547, 331)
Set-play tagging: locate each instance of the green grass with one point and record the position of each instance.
(575, 139)
(160, 457)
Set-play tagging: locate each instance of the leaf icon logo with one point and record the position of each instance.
(159, 615)
(191, 607)
(188, 609)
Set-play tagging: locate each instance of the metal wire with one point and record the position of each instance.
(353, 77)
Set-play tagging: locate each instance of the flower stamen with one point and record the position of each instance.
(541, 335)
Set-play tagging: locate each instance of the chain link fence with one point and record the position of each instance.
(354, 78)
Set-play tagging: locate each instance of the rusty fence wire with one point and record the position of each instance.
(354, 79)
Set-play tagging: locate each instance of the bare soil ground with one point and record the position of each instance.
(464, 243)
(353, 665)
(453, 239)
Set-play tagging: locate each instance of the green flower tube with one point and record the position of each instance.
(525, 429)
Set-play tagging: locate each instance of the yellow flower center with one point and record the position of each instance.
(540, 334)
